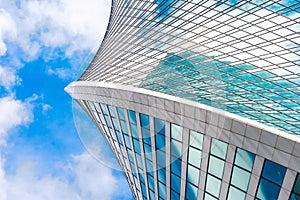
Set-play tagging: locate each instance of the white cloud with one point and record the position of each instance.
(74, 24)
(8, 78)
(7, 29)
(13, 113)
(92, 181)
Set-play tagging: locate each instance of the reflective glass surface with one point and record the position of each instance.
(270, 181)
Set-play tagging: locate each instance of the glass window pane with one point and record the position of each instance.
(216, 166)
(235, 194)
(132, 117)
(161, 158)
(274, 172)
(162, 190)
(175, 182)
(209, 197)
(196, 139)
(267, 190)
(218, 148)
(121, 113)
(295, 197)
(162, 175)
(144, 121)
(174, 195)
(191, 192)
(176, 167)
(193, 175)
(213, 185)
(244, 159)
(195, 157)
(134, 131)
(240, 178)
(297, 185)
(159, 126)
(175, 148)
(176, 132)
(160, 141)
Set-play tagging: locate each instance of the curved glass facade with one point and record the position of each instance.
(239, 56)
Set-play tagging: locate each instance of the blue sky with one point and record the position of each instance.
(44, 45)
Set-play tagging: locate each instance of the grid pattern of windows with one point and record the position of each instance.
(271, 180)
(159, 128)
(137, 150)
(129, 135)
(194, 162)
(218, 151)
(295, 195)
(145, 126)
(243, 54)
(241, 173)
(176, 154)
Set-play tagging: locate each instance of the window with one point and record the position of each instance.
(240, 176)
(270, 180)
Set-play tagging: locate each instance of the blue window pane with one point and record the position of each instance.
(134, 131)
(160, 141)
(127, 140)
(176, 167)
(124, 126)
(174, 195)
(295, 197)
(274, 172)
(176, 148)
(161, 158)
(97, 107)
(191, 192)
(146, 135)
(111, 110)
(144, 121)
(159, 126)
(151, 182)
(162, 190)
(218, 148)
(175, 182)
(136, 146)
(176, 132)
(244, 159)
(267, 190)
(132, 117)
(297, 185)
(147, 148)
(162, 175)
(103, 109)
(121, 113)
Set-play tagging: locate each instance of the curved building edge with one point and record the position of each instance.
(266, 143)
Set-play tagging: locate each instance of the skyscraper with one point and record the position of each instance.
(200, 99)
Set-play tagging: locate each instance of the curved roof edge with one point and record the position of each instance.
(74, 89)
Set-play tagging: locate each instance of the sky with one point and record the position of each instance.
(44, 46)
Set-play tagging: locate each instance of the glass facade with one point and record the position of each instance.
(218, 151)
(143, 150)
(240, 56)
